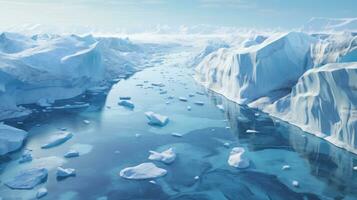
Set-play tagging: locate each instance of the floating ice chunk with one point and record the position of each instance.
(200, 103)
(285, 167)
(63, 173)
(163, 92)
(228, 127)
(200, 93)
(28, 179)
(189, 108)
(11, 138)
(176, 134)
(167, 156)
(237, 159)
(140, 85)
(86, 121)
(355, 168)
(156, 119)
(295, 183)
(26, 157)
(71, 154)
(226, 144)
(124, 98)
(191, 95)
(143, 171)
(153, 182)
(196, 177)
(183, 99)
(57, 139)
(170, 97)
(126, 103)
(41, 193)
(158, 84)
(251, 131)
(220, 106)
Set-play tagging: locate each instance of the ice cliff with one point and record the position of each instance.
(305, 79)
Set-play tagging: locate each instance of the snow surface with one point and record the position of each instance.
(11, 138)
(143, 171)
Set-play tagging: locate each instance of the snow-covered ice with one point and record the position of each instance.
(57, 139)
(156, 119)
(28, 179)
(143, 171)
(168, 156)
(238, 159)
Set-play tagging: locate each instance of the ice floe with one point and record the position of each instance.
(143, 171)
(168, 156)
(28, 179)
(57, 139)
(156, 119)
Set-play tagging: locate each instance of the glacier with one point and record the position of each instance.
(306, 79)
(44, 68)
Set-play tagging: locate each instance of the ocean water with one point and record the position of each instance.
(117, 138)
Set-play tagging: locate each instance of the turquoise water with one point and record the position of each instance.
(111, 142)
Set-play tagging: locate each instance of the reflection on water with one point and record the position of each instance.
(109, 143)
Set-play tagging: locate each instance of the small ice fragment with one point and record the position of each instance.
(71, 154)
(295, 183)
(196, 177)
(86, 121)
(256, 114)
(124, 98)
(182, 99)
(41, 193)
(167, 102)
(200, 103)
(63, 173)
(189, 108)
(191, 95)
(251, 131)
(137, 135)
(57, 139)
(200, 93)
(156, 119)
(176, 134)
(158, 84)
(226, 144)
(285, 167)
(167, 156)
(220, 106)
(355, 168)
(126, 103)
(26, 157)
(228, 127)
(163, 92)
(237, 158)
(152, 181)
(170, 97)
(143, 171)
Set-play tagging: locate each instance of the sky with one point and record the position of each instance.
(141, 14)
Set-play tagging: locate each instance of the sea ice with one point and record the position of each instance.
(156, 119)
(143, 171)
(28, 179)
(57, 139)
(167, 156)
(237, 158)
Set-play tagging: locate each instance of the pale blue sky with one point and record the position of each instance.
(143, 13)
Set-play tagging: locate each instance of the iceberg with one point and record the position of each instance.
(244, 75)
(11, 138)
(57, 139)
(28, 179)
(126, 103)
(237, 158)
(156, 119)
(143, 171)
(168, 156)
